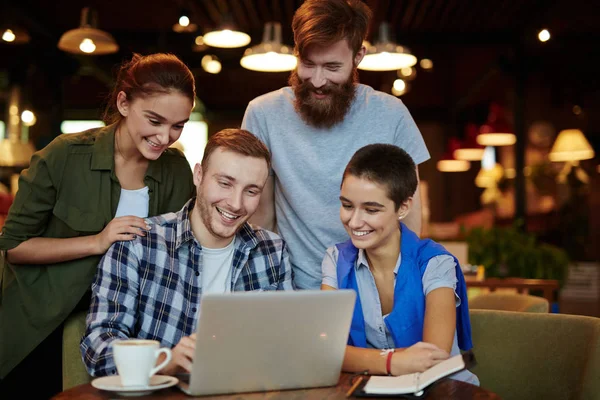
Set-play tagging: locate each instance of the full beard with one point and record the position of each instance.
(323, 113)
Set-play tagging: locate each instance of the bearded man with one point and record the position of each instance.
(314, 126)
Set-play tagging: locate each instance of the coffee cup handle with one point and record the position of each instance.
(164, 363)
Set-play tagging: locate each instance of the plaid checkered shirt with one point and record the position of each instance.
(150, 287)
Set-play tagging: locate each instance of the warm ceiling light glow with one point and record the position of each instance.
(87, 46)
(184, 21)
(544, 35)
(8, 36)
(13, 110)
(408, 73)
(226, 38)
(577, 110)
(28, 118)
(571, 145)
(199, 41)
(398, 58)
(184, 24)
(269, 62)
(426, 64)
(399, 87)
(74, 41)
(211, 64)
(453, 165)
(496, 139)
(469, 149)
(270, 55)
(469, 154)
(386, 55)
(496, 131)
(448, 163)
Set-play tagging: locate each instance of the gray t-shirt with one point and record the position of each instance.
(308, 163)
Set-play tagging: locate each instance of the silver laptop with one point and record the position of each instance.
(259, 341)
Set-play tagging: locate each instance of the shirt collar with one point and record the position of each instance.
(103, 154)
(361, 261)
(244, 238)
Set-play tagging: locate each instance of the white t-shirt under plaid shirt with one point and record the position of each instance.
(151, 287)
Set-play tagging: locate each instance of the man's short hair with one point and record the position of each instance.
(324, 22)
(239, 141)
(387, 165)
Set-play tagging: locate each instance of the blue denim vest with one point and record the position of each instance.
(405, 322)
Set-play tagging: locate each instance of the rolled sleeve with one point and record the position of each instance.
(32, 206)
(329, 267)
(113, 309)
(440, 272)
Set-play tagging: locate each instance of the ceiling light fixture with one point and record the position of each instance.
(386, 55)
(15, 35)
(571, 145)
(407, 73)
(87, 39)
(270, 55)
(426, 64)
(544, 35)
(211, 64)
(470, 150)
(226, 36)
(450, 164)
(184, 24)
(496, 131)
(399, 87)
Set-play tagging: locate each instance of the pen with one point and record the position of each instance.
(354, 386)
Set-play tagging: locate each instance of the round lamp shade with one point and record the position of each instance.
(571, 145)
(104, 43)
(226, 38)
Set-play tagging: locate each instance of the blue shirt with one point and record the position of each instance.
(440, 272)
(151, 287)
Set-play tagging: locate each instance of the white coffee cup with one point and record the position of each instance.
(136, 359)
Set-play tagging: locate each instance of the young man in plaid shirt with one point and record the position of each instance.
(151, 287)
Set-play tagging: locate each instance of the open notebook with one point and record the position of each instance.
(417, 382)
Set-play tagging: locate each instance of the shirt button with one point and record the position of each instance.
(197, 273)
(194, 309)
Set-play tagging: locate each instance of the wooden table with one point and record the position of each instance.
(523, 286)
(445, 389)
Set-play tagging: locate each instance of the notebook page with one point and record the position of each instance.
(391, 384)
(445, 368)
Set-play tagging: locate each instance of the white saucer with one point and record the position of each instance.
(113, 384)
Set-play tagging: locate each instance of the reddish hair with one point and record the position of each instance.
(239, 141)
(147, 75)
(324, 22)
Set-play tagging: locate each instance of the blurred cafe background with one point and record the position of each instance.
(505, 93)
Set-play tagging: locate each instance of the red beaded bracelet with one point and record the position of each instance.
(388, 362)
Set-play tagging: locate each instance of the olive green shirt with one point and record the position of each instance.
(70, 189)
